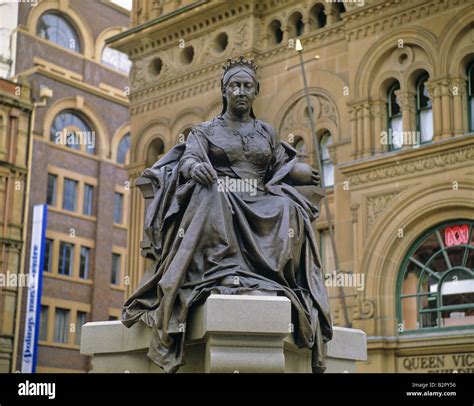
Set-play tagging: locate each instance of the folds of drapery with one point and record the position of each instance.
(197, 242)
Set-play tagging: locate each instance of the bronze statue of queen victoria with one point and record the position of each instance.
(207, 237)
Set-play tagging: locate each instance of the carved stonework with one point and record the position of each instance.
(378, 108)
(355, 212)
(406, 100)
(144, 76)
(296, 116)
(418, 166)
(335, 312)
(240, 33)
(381, 17)
(376, 206)
(457, 87)
(136, 74)
(363, 309)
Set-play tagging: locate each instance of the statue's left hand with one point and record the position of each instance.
(315, 178)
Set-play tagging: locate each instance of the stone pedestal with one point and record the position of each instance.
(227, 334)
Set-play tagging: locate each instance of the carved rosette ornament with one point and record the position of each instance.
(376, 206)
(364, 309)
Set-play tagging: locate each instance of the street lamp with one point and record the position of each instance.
(299, 49)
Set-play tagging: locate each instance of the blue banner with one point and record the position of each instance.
(35, 279)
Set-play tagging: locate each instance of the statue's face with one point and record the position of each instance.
(240, 92)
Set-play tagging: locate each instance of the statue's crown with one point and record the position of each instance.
(240, 61)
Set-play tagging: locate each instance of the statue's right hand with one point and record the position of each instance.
(204, 174)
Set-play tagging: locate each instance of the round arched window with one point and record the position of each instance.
(436, 282)
(71, 130)
(55, 28)
(328, 166)
(123, 148)
(154, 151)
(116, 59)
(300, 146)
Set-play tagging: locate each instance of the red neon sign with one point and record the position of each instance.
(456, 235)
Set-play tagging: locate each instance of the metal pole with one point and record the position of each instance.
(299, 48)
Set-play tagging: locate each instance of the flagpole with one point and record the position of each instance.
(299, 49)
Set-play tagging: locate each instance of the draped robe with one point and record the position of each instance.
(267, 244)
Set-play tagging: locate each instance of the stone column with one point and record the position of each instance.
(355, 240)
(3, 137)
(360, 130)
(307, 25)
(435, 95)
(135, 262)
(285, 29)
(156, 8)
(367, 137)
(353, 126)
(266, 40)
(458, 90)
(145, 14)
(446, 109)
(378, 112)
(102, 258)
(330, 14)
(406, 101)
(134, 12)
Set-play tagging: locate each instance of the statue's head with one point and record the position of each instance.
(239, 86)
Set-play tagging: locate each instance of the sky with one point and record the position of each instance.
(124, 3)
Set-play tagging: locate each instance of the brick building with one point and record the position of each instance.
(80, 149)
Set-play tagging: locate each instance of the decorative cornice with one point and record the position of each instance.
(149, 39)
(357, 23)
(208, 77)
(438, 160)
(388, 15)
(314, 39)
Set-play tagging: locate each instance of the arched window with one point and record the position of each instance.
(55, 28)
(72, 130)
(183, 135)
(275, 32)
(424, 113)
(328, 166)
(436, 281)
(123, 148)
(394, 115)
(470, 96)
(155, 150)
(318, 16)
(340, 7)
(295, 25)
(116, 59)
(300, 146)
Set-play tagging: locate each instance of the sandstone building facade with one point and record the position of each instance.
(393, 98)
(15, 154)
